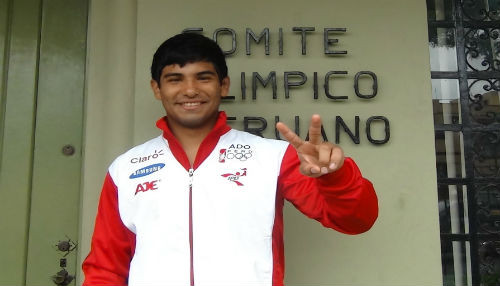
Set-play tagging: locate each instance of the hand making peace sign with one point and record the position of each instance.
(316, 156)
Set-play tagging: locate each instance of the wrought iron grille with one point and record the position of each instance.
(464, 43)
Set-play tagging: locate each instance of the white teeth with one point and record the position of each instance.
(191, 104)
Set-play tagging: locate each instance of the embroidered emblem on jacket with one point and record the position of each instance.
(155, 155)
(240, 152)
(146, 186)
(236, 176)
(148, 170)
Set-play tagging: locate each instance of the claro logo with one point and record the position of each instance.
(148, 170)
(155, 155)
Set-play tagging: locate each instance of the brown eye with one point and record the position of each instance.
(173, 79)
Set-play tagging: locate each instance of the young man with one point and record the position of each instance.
(202, 203)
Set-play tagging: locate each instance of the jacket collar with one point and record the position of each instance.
(207, 145)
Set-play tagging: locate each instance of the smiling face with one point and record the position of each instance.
(191, 95)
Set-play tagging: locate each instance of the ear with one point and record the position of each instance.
(226, 82)
(156, 89)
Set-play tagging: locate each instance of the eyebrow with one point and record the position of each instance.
(173, 74)
(206, 73)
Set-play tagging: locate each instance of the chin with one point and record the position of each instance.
(195, 123)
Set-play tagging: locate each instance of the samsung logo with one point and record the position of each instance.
(146, 170)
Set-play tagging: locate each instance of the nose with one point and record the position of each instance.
(191, 89)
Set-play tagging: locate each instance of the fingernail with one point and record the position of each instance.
(314, 171)
(324, 170)
(332, 166)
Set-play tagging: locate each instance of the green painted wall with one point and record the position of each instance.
(20, 57)
(56, 177)
(4, 39)
(43, 65)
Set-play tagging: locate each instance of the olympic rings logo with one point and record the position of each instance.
(241, 155)
(241, 152)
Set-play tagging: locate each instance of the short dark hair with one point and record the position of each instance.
(188, 48)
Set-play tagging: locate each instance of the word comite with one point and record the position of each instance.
(265, 34)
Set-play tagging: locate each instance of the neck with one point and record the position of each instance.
(191, 138)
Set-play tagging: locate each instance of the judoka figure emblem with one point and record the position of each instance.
(236, 176)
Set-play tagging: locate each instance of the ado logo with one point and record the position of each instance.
(146, 186)
(235, 151)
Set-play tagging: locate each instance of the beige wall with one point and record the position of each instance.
(387, 37)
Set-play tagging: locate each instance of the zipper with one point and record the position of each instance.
(191, 171)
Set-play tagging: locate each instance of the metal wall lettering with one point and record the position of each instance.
(280, 43)
(295, 79)
(270, 78)
(233, 39)
(374, 85)
(251, 120)
(292, 79)
(303, 31)
(243, 86)
(329, 42)
(264, 34)
(250, 36)
(288, 83)
(387, 129)
(327, 85)
(257, 125)
(340, 122)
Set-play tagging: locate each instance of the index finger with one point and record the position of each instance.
(315, 130)
(289, 135)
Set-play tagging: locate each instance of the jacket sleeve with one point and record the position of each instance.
(342, 200)
(113, 244)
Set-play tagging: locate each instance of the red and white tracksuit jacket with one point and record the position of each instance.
(161, 221)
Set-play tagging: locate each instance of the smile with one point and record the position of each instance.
(191, 105)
